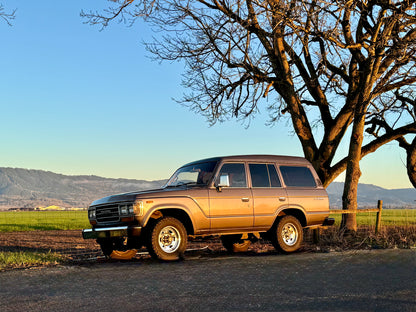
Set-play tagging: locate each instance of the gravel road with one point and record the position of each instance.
(378, 280)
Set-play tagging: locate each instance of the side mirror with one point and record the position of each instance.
(224, 182)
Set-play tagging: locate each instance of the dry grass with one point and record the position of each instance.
(333, 239)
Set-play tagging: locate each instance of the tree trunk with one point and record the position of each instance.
(353, 173)
(411, 162)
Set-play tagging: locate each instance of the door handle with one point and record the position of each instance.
(245, 199)
(282, 198)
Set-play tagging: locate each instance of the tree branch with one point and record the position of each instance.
(7, 17)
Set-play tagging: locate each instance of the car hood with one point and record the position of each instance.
(132, 196)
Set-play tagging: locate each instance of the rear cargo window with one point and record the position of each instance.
(297, 176)
(263, 175)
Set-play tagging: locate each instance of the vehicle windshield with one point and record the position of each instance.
(192, 175)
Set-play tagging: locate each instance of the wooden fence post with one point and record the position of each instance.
(378, 221)
(316, 235)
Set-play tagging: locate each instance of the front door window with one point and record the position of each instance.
(236, 174)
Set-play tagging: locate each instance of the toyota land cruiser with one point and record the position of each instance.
(240, 198)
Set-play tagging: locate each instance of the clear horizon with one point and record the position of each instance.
(79, 101)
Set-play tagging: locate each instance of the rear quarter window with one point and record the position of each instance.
(297, 176)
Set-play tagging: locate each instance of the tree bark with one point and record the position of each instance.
(411, 162)
(349, 197)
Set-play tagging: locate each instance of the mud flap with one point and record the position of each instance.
(123, 255)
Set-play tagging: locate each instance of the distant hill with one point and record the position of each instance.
(369, 194)
(23, 188)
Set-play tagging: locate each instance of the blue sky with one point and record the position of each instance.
(75, 100)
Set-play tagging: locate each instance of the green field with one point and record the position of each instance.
(15, 221)
(389, 217)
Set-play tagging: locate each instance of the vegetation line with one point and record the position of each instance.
(27, 259)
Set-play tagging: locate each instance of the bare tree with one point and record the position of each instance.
(337, 65)
(7, 17)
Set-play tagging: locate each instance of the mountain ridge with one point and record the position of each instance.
(369, 194)
(31, 188)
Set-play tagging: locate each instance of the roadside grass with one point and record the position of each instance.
(398, 230)
(17, 221)
(333, 239)
(24, 259)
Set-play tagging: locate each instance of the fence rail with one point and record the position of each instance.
(378, 210)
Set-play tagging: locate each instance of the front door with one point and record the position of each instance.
(231, 208)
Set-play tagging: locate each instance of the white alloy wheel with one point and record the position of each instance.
(169, 239)
(289, 234)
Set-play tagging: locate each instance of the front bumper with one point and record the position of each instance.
(108, 232)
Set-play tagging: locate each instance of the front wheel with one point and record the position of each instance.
(168, 239)
(287, 235)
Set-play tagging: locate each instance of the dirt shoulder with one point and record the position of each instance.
(74, 248)
(68, 243)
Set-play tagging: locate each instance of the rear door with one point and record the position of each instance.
(268, 193)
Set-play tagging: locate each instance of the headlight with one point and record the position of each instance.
(91, 214)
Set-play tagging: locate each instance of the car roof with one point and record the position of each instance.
(257, 158)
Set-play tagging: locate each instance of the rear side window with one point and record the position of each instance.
(263, 175)
(297, 176)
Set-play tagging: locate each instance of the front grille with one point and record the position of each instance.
(107, 214)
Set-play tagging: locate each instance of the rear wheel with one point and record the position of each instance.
(167, 240)
(287, 235)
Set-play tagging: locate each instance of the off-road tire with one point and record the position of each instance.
(167, 239)
(287, 234)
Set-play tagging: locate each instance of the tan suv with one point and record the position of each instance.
(240, 198)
